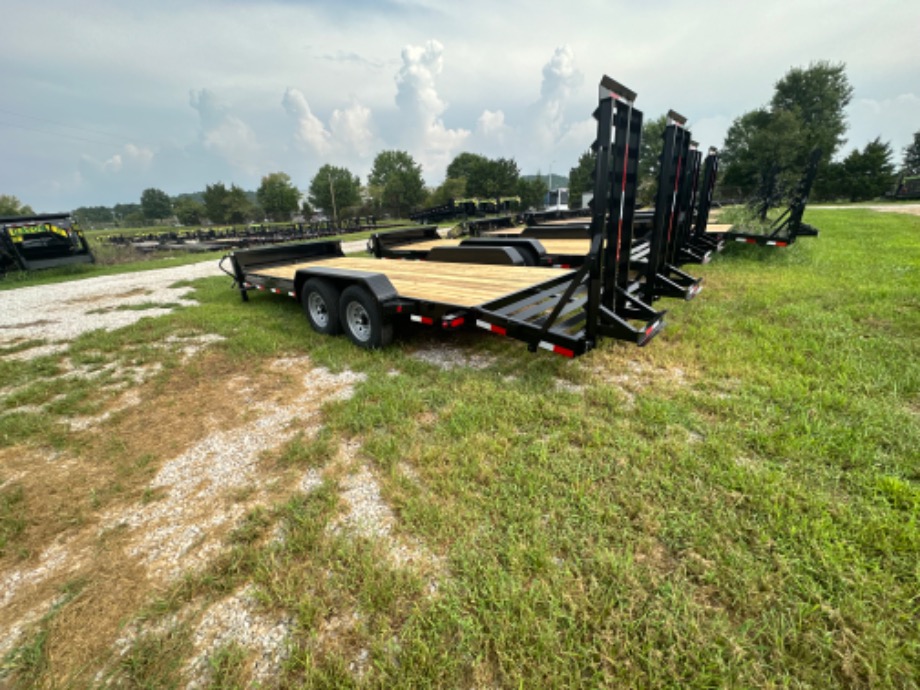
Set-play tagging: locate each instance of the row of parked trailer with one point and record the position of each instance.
(559, 283)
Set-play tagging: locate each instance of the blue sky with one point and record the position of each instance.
(101, 99)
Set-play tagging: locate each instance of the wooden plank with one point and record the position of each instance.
(716, 227)
(575, 247)
(425, 246)
(463, 285)
(570, 247)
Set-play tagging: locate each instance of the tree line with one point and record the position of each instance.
(395, 186)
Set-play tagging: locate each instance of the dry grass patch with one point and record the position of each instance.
(146, 494)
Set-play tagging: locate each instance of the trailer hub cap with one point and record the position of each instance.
(318, 311)
(359, 321)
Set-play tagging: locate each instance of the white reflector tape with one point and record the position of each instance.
(484, 324)
(416, 318)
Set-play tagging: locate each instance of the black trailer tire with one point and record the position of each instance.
(363, 320)
(320, 301)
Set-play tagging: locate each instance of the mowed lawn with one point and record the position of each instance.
(735, 505)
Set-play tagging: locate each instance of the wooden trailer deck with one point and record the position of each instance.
(463, 285)
(554, 247)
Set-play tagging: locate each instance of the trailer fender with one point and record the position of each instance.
(503, 255)
(377, 284)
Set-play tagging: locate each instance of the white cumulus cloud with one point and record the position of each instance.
(223, 133)
(430, 141)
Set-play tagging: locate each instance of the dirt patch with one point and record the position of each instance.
(96, 298)
(148, 495)
(449, 357)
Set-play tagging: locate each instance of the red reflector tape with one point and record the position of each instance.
(276, 291)
(557, 349)
(452, 322)
(427, 320)
(291, 294)
(247, 285)
(491, 327)
(652, 327)
(751, 241)
(782, 244)
(399, 309)
(260, 287)
(561, 266)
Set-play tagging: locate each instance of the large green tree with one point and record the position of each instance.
(580, 178)
(451, 188)
(869, 173)
(239, 208)
(911, 163)
(818, 96)
(761, 150)
(189, 211)
(766, 149)
(155, 204)
(333, 189)
(485, 177)
(224, 205)
(11, 206)
(93, 214)
(278, 196)
(215, 202)
(399, 179)
(532, 191)
(650, 148)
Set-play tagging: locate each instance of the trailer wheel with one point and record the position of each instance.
(320, 300)
(363, 319)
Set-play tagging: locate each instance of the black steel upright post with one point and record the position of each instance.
(627, 128)
(601, 147)
(663, 198)
(707, 189)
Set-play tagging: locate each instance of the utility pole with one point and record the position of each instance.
(335, 213)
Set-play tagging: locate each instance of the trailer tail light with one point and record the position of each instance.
(452, 321)
(491, 327)
(399, 309)
(557, 349)
(427, 320)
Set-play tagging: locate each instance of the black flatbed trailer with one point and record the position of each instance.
(561, 310)
(788, 227)
(366, 297)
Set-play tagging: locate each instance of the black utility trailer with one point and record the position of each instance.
(41, 241)
(788, 227)
(561, 310)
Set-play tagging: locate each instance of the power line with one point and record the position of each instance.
(62, 124)
(60, 134)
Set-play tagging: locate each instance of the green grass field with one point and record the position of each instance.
(735, 505)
